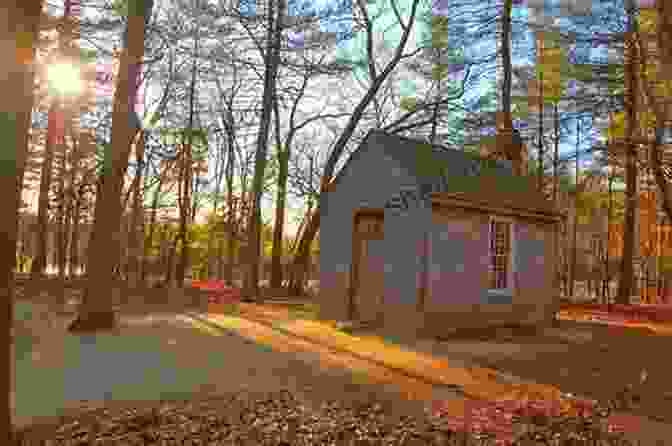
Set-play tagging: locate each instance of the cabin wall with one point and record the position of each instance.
(406, 248)
(370, 180)
(459, 261)
(535, 256)
(458, 273)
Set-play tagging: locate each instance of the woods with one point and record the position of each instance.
(150, 144)
(234, 180)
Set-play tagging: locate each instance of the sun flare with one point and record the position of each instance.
(65, 78)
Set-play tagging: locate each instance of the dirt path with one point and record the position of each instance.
(149, 359)
(177, 361)
(586, 360)
(597, 361)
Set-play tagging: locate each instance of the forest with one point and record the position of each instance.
(152, 144)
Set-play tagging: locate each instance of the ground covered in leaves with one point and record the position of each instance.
(283, 419)
(321, 416)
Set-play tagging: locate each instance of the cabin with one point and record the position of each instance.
(423, 240)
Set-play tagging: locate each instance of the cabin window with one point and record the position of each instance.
(501, 253)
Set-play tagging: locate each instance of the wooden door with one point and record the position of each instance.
(368, 267)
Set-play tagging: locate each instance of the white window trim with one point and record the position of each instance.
(512, 258)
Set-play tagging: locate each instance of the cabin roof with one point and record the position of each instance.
(494, 186)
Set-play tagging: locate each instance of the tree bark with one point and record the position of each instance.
(96, 311)
(540, 154)
(298, 273)
(187, 171)
(64, 213)
(181, 236)
(625, 285)
(170, 259)
(280, 203)
(214, 238)
(272, 60)
(74, 237)
(227, 271)
(53, 134)
(508, 140)
(135, 233)
(303, 251)
(24, 116)
(572, 278)
(149, 239)
(19, 21)
(663, 111)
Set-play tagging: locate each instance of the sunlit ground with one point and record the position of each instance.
(65, 79)
(616, 320)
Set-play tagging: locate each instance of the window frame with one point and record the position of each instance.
(512, 254)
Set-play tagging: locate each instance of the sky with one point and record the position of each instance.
(551, 12)
(387, 21)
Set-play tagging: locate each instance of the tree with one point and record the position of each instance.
(186, 176)
(96, 310)
(271, 61)
(656, 91)
(285, 149)
(19, 25)
(626, 281)
(510, 142)
(376, 79)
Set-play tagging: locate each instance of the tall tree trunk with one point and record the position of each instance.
(625, 285)
(96, 312)
(540, 161)
(508, 139)
(84, 146)
(24, 116)
(609, 237)
(506, 61)
(214, 256)
(280, 203)
(181, 236)
(71, 204)
(19, 21)
(55, 136)
(74, 237)
(230, 216)
(298, 273)
(160, 265)
(272, 60)
(63, 205)
(572, 277)
(662, 109)
(303, 251)
(136, 231)
(54, 129)
(220, 259)
(556, 233)
(664, 34)
(149, 239)
(187, 172)
(170, 258)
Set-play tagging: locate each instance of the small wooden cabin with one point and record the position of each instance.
(425, 239)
